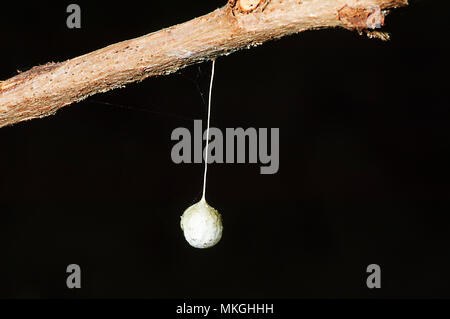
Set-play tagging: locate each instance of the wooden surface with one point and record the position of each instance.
(240, 24)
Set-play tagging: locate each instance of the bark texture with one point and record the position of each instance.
(240, 24)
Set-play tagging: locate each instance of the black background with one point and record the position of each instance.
(364, 150)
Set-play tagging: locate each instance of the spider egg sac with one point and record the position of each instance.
(202, 225)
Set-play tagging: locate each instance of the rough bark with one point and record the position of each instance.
(240, 24)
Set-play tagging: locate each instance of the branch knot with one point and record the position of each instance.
(248, 6)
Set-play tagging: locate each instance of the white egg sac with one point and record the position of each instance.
(202, 225)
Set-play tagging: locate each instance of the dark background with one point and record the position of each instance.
(364, 150)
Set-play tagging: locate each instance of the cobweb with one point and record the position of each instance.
(194, 75)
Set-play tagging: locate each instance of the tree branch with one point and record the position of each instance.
(240, 24)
